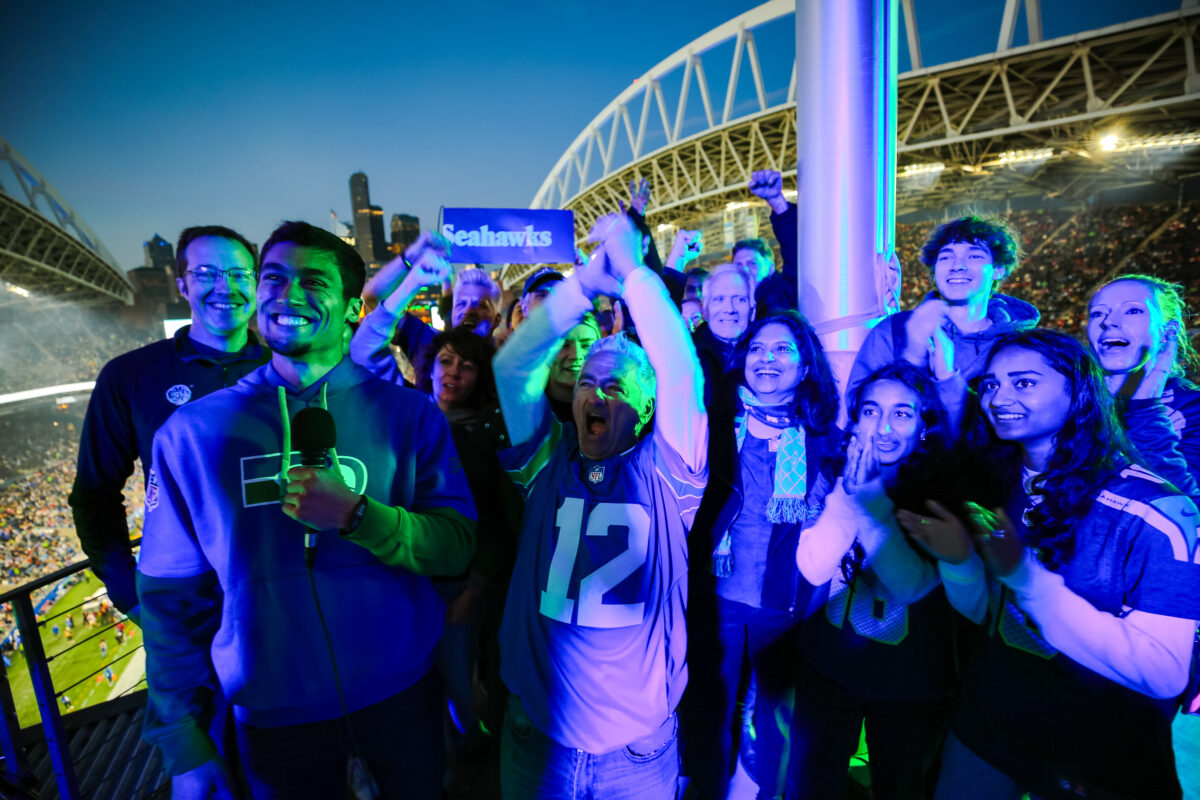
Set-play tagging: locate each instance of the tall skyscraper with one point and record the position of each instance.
(369, 238)
(405, 229)
(160, 255)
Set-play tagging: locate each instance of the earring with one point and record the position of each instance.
(922, 436)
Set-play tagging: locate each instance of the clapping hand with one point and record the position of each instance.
(941, 534)
(996, 539)
(862, 479)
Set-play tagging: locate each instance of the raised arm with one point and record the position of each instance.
(522, 365)
(424, 263)
(682, 422)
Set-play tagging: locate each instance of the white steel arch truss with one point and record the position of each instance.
(966, 116)
(56, 254)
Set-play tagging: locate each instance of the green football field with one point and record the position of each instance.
(72, 663)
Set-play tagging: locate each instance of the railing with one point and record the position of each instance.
(51, 625)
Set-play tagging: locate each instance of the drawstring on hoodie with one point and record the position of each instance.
(359, 778)
(285, 455)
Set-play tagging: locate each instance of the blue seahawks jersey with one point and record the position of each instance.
(1048, 721)
(594, 638)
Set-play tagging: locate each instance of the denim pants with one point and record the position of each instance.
(966, 775)
(764, 640)
(399, 738)
(535, 767)
(903, 738)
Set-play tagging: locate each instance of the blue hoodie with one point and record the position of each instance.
(222, 579)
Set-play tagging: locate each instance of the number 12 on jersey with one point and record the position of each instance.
(592, 611)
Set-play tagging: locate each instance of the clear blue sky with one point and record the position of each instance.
(149, 117)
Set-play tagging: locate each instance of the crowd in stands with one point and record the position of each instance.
(59, 344)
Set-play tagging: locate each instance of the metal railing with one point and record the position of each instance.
(31, 629)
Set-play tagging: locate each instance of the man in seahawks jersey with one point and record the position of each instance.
(593, 638)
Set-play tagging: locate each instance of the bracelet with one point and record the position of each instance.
(356, 517)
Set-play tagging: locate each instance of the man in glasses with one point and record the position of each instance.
(137, 391)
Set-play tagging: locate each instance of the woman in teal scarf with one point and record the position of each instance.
(771, 428)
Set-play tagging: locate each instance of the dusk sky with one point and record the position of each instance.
(149, 117)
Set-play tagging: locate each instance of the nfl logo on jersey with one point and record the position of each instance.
(596, 474)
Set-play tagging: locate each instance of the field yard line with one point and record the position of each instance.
(133, 672)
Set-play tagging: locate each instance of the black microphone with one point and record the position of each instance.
(314, 435)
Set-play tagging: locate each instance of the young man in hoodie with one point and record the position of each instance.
(325, 654)
(969, 258)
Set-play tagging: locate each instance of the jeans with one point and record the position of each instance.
(902, 740)
(535, 767)
(965, 774)
(764, 638)
(399, 738)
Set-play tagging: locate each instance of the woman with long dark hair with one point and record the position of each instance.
(881, 649)
(771, 428)
(1072, 691)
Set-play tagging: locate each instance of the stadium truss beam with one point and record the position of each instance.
(53, 255)
(39, 257)
(1139, 78)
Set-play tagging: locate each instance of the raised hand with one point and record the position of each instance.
(687, 247)
(639, 195)
(429, 256)
(862, 479)
(596, 277)
(622, 243)
(941, 534)
(768, 184)
(920, 326)
(941, 354)
(1157, 371)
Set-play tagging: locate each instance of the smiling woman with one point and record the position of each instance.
(772, 428)
(1097, 609)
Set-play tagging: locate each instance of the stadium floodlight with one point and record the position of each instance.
(1188, 139)
(1109, 142)
(666, 226)
(12, 287)
(737, 205)
(917, 170)
(1012, 157)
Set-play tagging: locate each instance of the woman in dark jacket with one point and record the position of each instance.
(771, 428)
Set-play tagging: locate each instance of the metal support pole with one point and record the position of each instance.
(43, 690)
(846, 136)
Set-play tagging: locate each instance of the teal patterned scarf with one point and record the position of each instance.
(787, 502)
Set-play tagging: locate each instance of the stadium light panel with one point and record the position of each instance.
(1108, 143)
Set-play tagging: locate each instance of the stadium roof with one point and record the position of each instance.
(1065, 117)
(46, 249)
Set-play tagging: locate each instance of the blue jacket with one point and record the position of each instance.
(222, 580)
(134, 395)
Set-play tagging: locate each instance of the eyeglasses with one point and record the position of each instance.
(208, 275)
